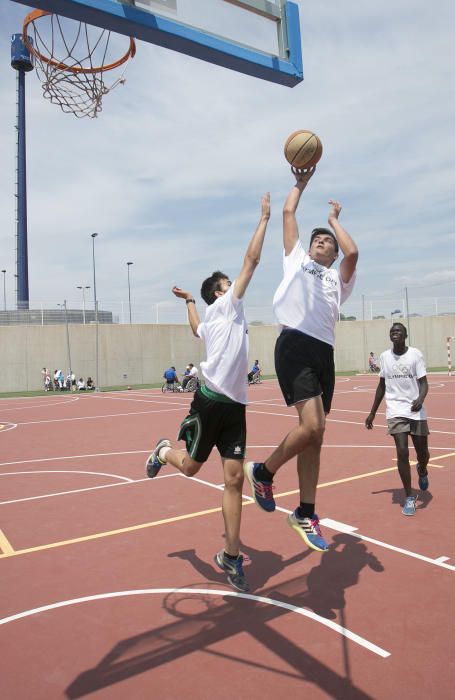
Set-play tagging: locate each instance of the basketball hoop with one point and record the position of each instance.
(72, 62)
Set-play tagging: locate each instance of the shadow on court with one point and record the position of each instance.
(424, 498)
(201, 630)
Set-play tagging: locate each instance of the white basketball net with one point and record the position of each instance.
(73, 62)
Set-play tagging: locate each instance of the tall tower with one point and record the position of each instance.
(21, 61)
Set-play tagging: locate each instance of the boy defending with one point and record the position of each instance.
(217, 412)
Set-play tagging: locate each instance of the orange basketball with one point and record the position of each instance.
(303, 149)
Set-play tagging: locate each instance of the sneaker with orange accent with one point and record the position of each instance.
(308, 529)
(262, 490)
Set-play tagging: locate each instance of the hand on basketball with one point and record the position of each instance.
(303, 175)
(334, 211)
(181, 293)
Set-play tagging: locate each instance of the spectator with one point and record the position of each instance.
(373, 363)
(192, 373)
(90, 384)
(255, 370)
(81, 384)
(170, 375)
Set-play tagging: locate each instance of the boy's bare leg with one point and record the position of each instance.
(181, 460)
(308, 470)
(404, 468)
(308, 433)
(232, 504)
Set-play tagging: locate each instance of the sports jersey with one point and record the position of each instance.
(309, 296)
(401, 374)
(224, 332)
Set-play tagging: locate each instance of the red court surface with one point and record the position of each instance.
(108, 585)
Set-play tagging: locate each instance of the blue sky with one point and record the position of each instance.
(172, 172)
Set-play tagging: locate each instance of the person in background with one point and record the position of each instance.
(403, 382)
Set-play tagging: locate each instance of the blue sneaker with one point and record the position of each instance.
(409, 507)
(233, 568)
(423, 479)
(262, 490)
(154, 463)
(310, 532)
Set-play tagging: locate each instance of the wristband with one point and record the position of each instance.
(190, 301)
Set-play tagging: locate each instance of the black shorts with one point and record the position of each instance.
(212, 423)
(305, 368)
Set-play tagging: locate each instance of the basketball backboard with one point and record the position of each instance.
(260, 38)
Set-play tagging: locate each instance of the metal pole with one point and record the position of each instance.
(407, 315)
(128, 264)
(94, 235)
(4, 290)
(364, 334)
(67, 337)
(83, 300)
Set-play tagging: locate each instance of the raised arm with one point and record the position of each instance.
(347, 245)
(193, 316)
(290, 228)
(253, 252)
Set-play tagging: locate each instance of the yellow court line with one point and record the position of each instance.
(8, 551)
(5, 545)
(108, 533)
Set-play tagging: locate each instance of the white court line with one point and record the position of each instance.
(89, 488)
(111, 415)
(203, 591)
(351, 530)
(68, 471)
(69, 399)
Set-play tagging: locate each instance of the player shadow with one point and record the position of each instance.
(260, 565)
(192, 630)
(424, 498)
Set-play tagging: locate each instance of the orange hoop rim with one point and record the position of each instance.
(37, 14)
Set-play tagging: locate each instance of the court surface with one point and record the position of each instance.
(108, 586)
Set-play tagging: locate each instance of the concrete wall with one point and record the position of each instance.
(142, 352)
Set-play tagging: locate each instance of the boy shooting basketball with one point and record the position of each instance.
(306, 305)
(217, 412)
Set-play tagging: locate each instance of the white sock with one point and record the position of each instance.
(162, 453)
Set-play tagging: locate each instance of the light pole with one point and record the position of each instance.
(4, 290)
(94, 235)
(128, 264)
(83, 300)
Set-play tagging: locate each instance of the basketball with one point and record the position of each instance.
(303, 149)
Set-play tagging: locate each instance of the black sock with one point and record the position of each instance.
(305, 510)
(230, 556)
(263, 474)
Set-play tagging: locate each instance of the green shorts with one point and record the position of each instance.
(407, 425)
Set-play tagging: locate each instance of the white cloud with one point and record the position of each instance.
(172, 171)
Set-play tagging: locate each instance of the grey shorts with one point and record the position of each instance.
(407, 425)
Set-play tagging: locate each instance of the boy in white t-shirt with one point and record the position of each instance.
(403, 381)
(217, 412)
(306, 305)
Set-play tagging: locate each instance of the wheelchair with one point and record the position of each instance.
(170, 386)
(191, 385)
(254, 378)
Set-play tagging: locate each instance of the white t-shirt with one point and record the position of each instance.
(309, 296)
(224, 332)
(193, 372)
(401, 373)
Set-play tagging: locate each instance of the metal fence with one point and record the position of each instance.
(365, 308)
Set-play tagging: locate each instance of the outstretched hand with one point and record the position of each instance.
(334, 211)
(303, 175)
(265, 205)
(181, 293)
